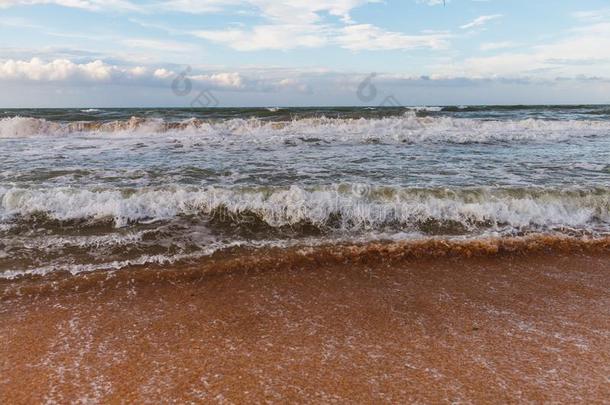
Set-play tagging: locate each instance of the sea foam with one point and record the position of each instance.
(408, 128)
(345, 207)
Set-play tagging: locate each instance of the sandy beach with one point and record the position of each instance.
(498, 328)
(304, 202)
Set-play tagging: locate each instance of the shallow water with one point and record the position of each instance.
(96, 189)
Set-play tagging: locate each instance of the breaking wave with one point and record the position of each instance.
(339, 207)
(407, 128)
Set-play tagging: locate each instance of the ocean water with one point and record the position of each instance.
(99, 189)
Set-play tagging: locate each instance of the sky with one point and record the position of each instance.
(181, 53)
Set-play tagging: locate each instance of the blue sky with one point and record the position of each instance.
(62, 53)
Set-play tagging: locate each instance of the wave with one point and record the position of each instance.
(521, 107)
(407, 128)
(252, 257)
(341, 207)
(426, 109)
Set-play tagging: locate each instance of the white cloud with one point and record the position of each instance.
(282, 11)
(279, 10)
(91, 5)
(434, 2)
(289, 24)
(17, 22)
(230, 80)
(67, 73)
(479, 21)
(584, 51)
(57, 70)
(593, 15)
(299, 24)
(272, 36)
(356, 37)
(494, 46)
(368, 37)
(196, 7)
(156, 45)
(147, 85)
(163, 74)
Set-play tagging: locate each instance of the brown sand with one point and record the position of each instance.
(509, 328)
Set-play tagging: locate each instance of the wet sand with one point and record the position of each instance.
(506, 328)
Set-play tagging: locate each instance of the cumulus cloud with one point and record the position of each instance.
(57, 70)
(65, 72)
(96, 72)
(230, 80)
(89, 83)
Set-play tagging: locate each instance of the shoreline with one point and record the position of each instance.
(485, 328)
(239, 260)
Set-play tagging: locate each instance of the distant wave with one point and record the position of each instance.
(407, 128)
(553, 108)
(426, 108)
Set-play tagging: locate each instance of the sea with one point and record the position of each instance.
(85, 190)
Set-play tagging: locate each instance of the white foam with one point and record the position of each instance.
(22, 127)
(159, 259)
(289, 206)
(426, 108)
(407, 128)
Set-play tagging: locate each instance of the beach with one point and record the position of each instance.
(304, 202)
(468, 326)
(327, 255)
